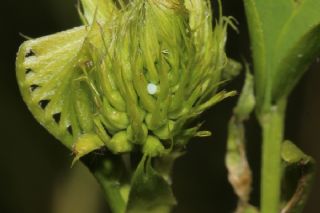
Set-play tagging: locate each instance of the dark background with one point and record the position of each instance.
(35, 174)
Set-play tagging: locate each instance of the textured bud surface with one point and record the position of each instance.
(135, 74)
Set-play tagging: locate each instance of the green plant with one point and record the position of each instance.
(132, 81)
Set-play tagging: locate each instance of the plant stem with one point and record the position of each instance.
(111, 189)
(272, 122)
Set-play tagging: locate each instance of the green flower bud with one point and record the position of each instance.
(135, 74)
(119, 120)
(165, 132)
(119, 143)
(153, 147)
(142, 137)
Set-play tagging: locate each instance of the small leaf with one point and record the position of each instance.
(291, 154)
(48, 63)
(85, 144)
(150, 192)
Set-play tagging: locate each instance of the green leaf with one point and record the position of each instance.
(45, 69)
(150, 192)
(291, 154)
(296, 62)
(54, 74)
(285, 38)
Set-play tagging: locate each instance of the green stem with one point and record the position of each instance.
(272, 122)
(111, 189)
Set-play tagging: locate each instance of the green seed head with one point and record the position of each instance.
(133, 76)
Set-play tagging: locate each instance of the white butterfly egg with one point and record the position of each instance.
(152, 88)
